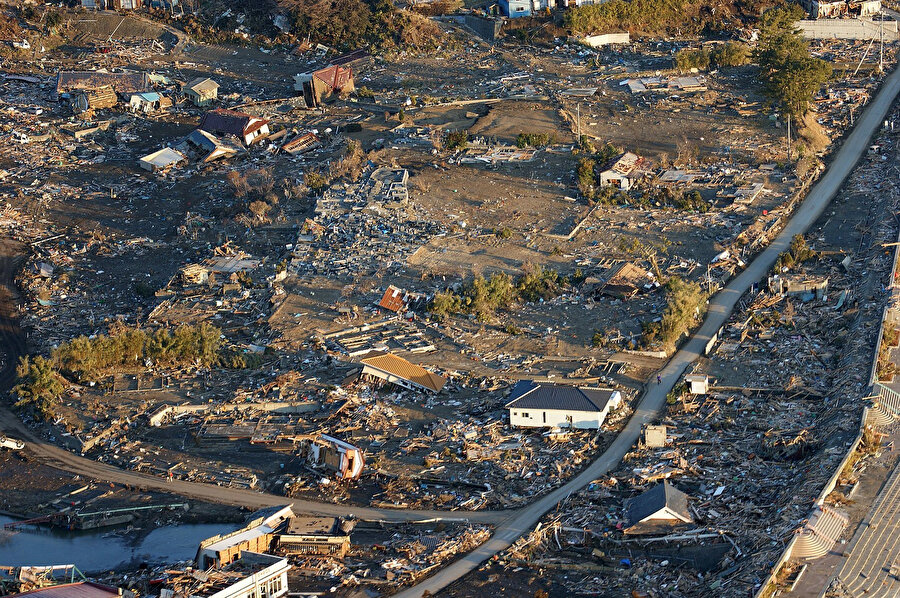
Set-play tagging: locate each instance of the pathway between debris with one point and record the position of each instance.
(720, 307)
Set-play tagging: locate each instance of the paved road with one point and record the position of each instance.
(511, 524)
(720, 308)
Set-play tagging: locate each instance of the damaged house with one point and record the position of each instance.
(625, 281)
(542, 405)
(94, 99)
(658, 510)
(69, 82)
(251, 575)
(207, 147)
(317, 86)
(399, 300)
(342, 458)
(392, 369)
(148, 102)
(244, 126)
(315, 536)
(256, 536)
(623, 172)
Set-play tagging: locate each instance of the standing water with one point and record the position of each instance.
(95, 551)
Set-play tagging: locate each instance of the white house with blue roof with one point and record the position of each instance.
(544, 405)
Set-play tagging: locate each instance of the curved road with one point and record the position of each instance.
(510, 524)
(720, 307)
(12, 341)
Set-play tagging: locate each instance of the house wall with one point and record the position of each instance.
(516, 8)
(615, 179)
(370, 371)
(263, 130)
(199, 100)
(207, 557)
(548, 418)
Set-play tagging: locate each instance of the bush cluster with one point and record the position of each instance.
(482, 296)
(685, 306)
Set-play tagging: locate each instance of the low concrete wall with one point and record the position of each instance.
(848, 29)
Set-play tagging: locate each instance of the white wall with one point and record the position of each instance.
(273, 578)
(549, 418)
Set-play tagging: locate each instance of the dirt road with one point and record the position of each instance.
(12, 340)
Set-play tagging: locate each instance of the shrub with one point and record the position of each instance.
(88, 358)
(534, 139)
(456, 140)
(798, 252)
(685, 305)
(586, 176)
(316, 181)
(692, 58)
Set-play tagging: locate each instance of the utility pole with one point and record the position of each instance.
(789, 136)
(881, 36)
(578, 121)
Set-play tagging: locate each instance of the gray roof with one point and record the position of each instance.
(527, 394)
(656, 498)
(201, 84)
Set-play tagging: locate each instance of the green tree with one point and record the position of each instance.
(586, 176)
(685, 306)
(456, 140)
(37, 386)
(790, 76)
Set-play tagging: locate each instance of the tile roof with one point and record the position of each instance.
(659, 497)
(527, 394)
(391, 364)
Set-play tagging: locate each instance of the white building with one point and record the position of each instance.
(623, 172)
(538, 405)
(253, 575)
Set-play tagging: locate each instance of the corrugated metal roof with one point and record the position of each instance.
(84, 589)
(391, 364)
(334, 76)
(527, 394)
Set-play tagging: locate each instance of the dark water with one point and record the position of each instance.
(97, 550)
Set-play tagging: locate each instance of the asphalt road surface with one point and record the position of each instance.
(720, 307)
(510, 524)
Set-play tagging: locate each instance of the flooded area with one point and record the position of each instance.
(102, 550)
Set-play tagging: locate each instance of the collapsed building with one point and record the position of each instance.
(342, 458)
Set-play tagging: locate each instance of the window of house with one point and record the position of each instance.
(545, 417)
(525, 414)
